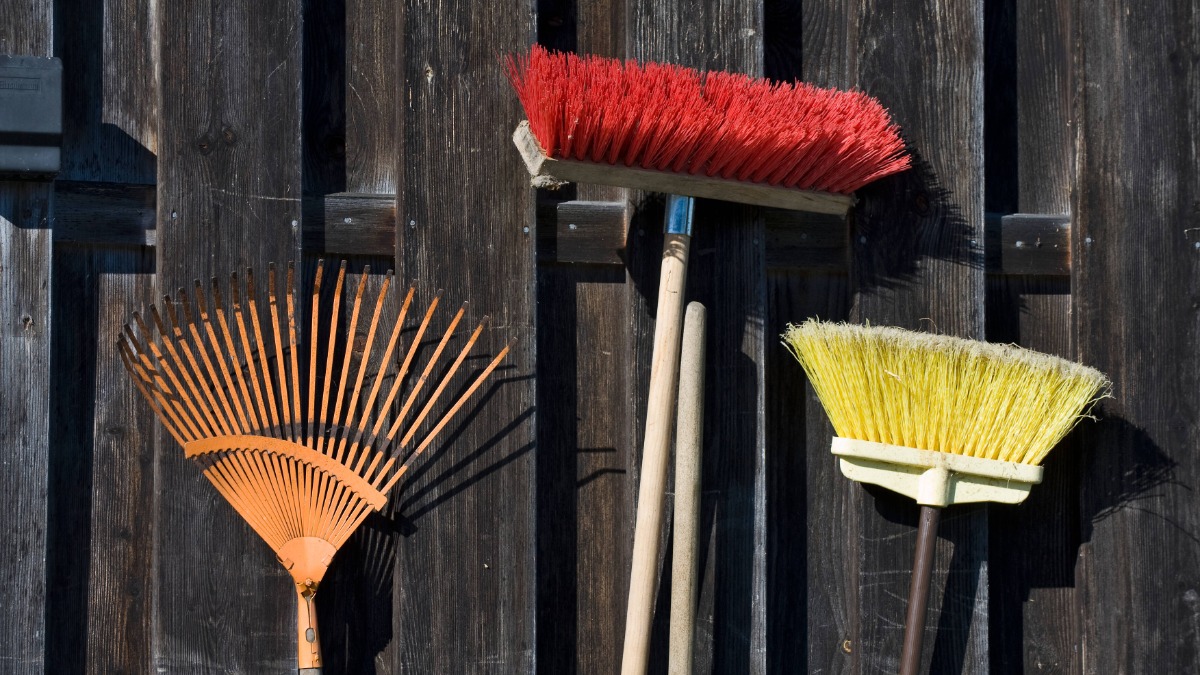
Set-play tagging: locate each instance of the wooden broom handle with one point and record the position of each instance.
(308, 642)
(918, 592)
(664, 372)
(689, 434)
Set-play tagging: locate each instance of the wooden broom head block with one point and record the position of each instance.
(304, 442)
(547, 172)
(908, 393)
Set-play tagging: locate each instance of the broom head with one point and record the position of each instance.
(714, 126)
(941, 419)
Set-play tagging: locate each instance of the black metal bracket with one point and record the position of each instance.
(30, 117)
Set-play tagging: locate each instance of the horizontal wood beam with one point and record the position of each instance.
(569, 232)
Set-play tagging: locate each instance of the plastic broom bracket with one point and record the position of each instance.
(935, 478)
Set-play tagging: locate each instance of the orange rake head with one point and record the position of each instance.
(303, 446)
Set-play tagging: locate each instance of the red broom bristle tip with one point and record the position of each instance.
(727, 125)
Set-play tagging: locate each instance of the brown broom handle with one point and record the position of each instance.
(308, 642)
(918, 592)
(656, 453)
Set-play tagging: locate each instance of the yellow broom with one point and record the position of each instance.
(942, 420)
(226, 383)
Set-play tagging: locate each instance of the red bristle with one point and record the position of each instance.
(729, 125)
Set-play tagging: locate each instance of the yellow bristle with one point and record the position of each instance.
(934, 392)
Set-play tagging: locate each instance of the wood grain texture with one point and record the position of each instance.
(228, 198)
(104, 214)
(1135, 284)
(809, 622)
(362, 224)
(727, 275)
(1033, 618)
(466, 574)
(587, 388)
(102, 534)
(586, 495)
(373, 96)
(25, 316)
(916, 263)
(109, 93)
(352, 224)
(27, 28)
(25, 274)
(1031, 244)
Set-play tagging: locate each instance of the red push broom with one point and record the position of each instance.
(666, 128)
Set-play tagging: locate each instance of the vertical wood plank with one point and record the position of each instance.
(228, 198)
(728, 275)
(587, 419)
(354, 91)
(1033, 624)
(102, 482)
(109, 94)
(466, 600)
(916, 264)
(809, 620)
(1135, 283)
(25, 314)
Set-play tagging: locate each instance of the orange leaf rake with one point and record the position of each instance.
(303, 466)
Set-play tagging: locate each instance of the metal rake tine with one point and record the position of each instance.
(420, 383)
(433, 398)
(446, 418)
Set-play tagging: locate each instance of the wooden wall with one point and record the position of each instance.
(1052, 205)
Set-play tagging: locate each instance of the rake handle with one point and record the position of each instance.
(656, 453)
(918, 592)
(308, 641)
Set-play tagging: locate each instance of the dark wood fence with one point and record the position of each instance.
(1054, 203)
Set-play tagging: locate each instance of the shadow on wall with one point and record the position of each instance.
(904, 219)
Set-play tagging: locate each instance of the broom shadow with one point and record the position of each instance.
(1100, 469)
(903, 219)
(1086, 482)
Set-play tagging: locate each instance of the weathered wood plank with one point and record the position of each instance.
(1136, 276)
(468, 571)
(808, 620)
(917, 263)
(351, 224)
(728, 275)
(104, 214)
(1028, 244)
(25, 315)
(102, 483)
(584, 500)
(1029, 150)
(586, 402)
(228, 197)
(352, 57)
(109, 96)
(362, 224)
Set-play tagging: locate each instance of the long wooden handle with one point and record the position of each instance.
(656, 452)
(689, 431)
(918, 592)
(308, 642)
